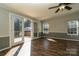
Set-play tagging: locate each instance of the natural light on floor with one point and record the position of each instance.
(52, 40)
(23, 50)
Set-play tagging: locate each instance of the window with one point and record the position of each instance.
(45, 27)
(73, 27)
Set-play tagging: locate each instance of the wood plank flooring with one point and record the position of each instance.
(44, 47)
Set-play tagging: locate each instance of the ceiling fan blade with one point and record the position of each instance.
(68, 8)
(66, 3)
(53, 7)
(57, 10)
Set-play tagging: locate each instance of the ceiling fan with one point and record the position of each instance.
(61, 6)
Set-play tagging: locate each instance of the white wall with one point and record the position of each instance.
(4, 22)
(59, 24)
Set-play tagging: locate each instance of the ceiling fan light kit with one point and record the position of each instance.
(61, 6)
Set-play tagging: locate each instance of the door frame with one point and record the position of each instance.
(31, 25)
(33, 30)
(11, 29)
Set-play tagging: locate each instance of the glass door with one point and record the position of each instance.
(17, 29)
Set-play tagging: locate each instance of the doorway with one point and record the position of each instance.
(27, 28)
(17, 29)
(35, 30)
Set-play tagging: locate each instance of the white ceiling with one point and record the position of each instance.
(38, 11)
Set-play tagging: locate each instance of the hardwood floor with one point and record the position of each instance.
(44, 47)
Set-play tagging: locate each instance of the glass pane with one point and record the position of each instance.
(45, 27)
(72, 27)
(17, 27)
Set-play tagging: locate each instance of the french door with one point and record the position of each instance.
(17, 29)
